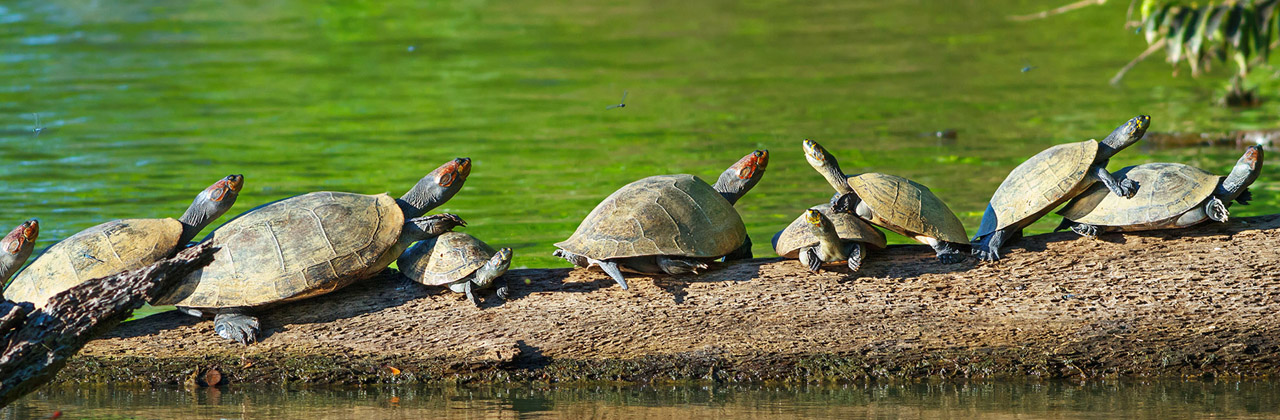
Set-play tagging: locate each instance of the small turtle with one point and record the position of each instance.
(1172, 195)
(822, 236)
(119, 245)
(16, 247)
(457, 260)
(668, 224)
(309, 245)
(1050, 178)
(895, 203)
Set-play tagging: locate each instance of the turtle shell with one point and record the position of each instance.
(99, 251)
(906, 207)
(787, 243)
(1048, 179)
(445, 259)
(660, 215)
(1165, 191)
(295, 248)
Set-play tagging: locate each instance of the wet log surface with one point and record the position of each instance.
(1198, 302)
(36, 344)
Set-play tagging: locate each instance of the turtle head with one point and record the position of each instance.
(813, 217)
(826, 164)
(16, 247)
(1125, 135)
(1244, 173)
(436, 188)
(739, 178)
(209, 205)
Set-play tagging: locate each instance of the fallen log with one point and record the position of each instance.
(1167, 303)
(37, 343)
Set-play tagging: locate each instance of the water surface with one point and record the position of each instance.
(1225, 399)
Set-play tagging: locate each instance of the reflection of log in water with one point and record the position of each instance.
(37, 344)
(1199, 301)
(1244, 138)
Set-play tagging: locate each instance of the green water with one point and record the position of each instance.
(141, 104)
(939, 400)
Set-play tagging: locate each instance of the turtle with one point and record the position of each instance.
(822, 236)
(892, 202)
(309, 245)
(667, 224)
(457, 260)
(1171, 195)
(119, 245)
(16, 247)
(1050, 178)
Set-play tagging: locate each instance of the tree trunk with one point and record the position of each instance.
(1192, 302)
(37, 344)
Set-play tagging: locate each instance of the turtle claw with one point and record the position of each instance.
(1127, 188)
(504, 292)
(844, 203)
(1085, 230)
(951, 258)
(809, 257)
(237, 327)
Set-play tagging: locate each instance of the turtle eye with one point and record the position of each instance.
(14, 246)
(746, 171)
(218, 193)
(445, 179)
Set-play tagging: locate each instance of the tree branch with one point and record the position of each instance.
(1060, 10)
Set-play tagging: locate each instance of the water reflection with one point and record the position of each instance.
(1225, 399)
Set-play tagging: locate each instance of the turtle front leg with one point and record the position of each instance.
(237, 325)
(1216, 210)
(572, 258)
(988, 249)
(671, 265)
(810, 259)
(1126, 188)
(1085, 230)
(845, 203)
(471, 296)
(742, 253)
(856, 253)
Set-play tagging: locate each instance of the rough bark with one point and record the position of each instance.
(1195, 302)
(37, 344)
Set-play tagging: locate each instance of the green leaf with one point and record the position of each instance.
(1234, 31)
(1212, 29)
(1174, 36)
(1262, 23)
(1195, 40)
(1180, 35)
(1155, 23)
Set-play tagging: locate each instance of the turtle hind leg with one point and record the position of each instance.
(948, 252)
(742, 253)
(237, 326)
(611, 268)
(671, 265)
(809, 258)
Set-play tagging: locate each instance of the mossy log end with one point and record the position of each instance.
(1197, 302)
(37, 343)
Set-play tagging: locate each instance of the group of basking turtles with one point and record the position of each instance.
(312, 244)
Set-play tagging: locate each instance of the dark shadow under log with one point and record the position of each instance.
(37, 344)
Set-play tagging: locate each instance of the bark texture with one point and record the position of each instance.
(37, 343)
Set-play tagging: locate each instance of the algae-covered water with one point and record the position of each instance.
(1102, 400)
(128, 109)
